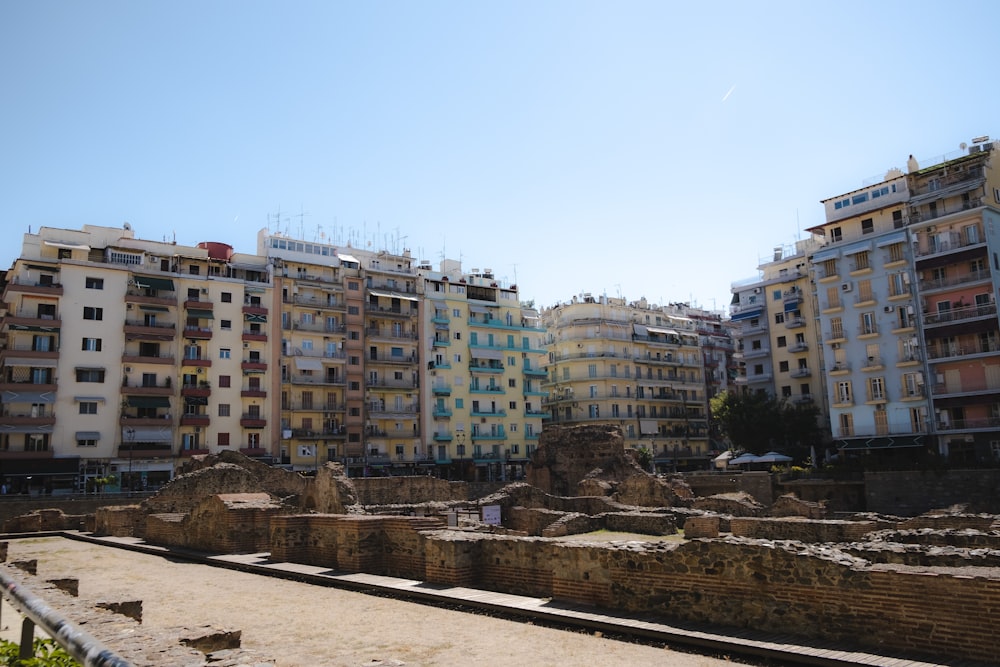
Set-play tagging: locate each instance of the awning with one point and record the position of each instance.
(640, 330)
(88, 399)
(478, 309)
(658, 330)
(164, 284)
(200, 314)
(308, 364)
(392, 295)
(251, 317)
(348, 258)
(648, 427)
(42, 267)
(68, 246)
(147, 434)
(44, 466)
(30, 361)
(485, 353)
(148, 401)
(158, 309)
(882, 443)
(29, 397)
(791, 306)
(747, 314)
(88, 435)
(196, 400)
(89, 368)
(33, 327)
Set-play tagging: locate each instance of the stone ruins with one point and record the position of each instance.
(924, 585)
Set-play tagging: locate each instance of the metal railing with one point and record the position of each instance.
(84, 648)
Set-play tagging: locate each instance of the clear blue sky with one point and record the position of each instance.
(656, 149)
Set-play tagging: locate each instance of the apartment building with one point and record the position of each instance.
(122, 356)
(483, 374)
(905, 286)
(635, 365)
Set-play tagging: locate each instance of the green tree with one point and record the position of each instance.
(750, 420)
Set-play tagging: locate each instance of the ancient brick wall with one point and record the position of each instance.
(166, 529)
(803, 530)
(120, 521)
(567, 454)
(407, 490)
(756, 484)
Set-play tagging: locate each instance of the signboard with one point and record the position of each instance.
(491, 515)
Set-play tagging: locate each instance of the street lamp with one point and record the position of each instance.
(130, 434)
(460, 437)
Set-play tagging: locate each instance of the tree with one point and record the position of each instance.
(751, 420)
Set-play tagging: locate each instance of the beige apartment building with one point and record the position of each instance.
(635, 365)
(122, 356)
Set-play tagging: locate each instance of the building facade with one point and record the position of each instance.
(635, 365)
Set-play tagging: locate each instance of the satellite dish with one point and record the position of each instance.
(963, 145)
(128, 227)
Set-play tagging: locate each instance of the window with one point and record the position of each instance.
(92, 313)
(512, 405)
(844, 391)
(93, 283)
(353, 310)
(223, 409)
(867, 226)
(223, 439)
(88, 407)
(876, 389)
(783, 366)
(862, 261)
(786, 391)
(779, 318)
(592, 370)
(836, 234)
(225, 353)
(353, 285)
(225, 381)
(86, 442)
(91, 345)
(226, 324)
(227, 297)
(90, 375)
(781, 341)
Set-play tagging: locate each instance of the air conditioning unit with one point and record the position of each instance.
(201, 371)
(756, 290)
(128, 369)
(888, 309)
(846, 287)
(246, 345)
(128, 306)
(836, 346)
(204, 290)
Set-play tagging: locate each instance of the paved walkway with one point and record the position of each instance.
(784, 648)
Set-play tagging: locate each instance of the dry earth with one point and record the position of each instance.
(301, 625)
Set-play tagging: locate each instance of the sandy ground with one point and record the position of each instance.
(302, 625)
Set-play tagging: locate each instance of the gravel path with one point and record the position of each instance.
(300, 625)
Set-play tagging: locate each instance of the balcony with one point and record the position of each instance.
(200, 390)
(389, 333)
(960, 314)
(22, 355)
(32, 318)
(839, 368)
(165, 359)
(803, 372)
(144, 450)
(253, 365)
(798, 346)
(139, 329)
(254, 309)
(253, 392)
(196, 304)
(441, 390)
(253, 421)
(191, 419)
(441, 413)
(196, 361)
(32, 287)
(442, 437)
(254, 452)
(166, 389)
(197, 333)
(28, 417)
(254, 335)
(155, 420)
(795, 322)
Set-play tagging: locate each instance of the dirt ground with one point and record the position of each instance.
(301, 625)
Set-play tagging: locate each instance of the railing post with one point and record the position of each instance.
(27, 648)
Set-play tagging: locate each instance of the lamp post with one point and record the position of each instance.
(130, 434)
(460, 437)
